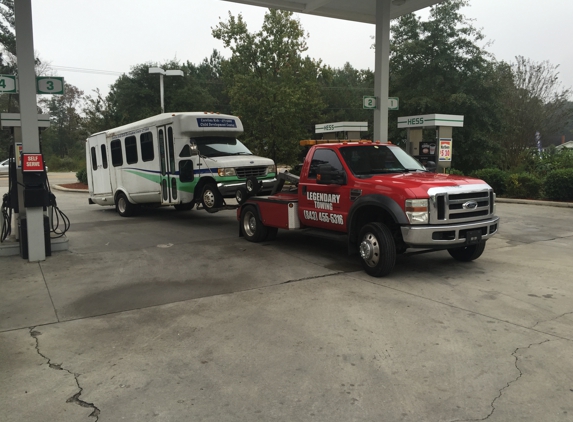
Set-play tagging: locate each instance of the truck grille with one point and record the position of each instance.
(244, 172)
(461, 204)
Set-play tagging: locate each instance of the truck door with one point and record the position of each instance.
(98, 165)
(167, 165)
(324, 206)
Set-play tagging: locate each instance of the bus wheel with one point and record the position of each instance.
(252, 226)
(241, 196)
(211, 198)
(377, 249)
(123, 207)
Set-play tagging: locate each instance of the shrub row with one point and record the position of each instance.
(556, 186)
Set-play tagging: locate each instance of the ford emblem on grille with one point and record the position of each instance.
(470, 205)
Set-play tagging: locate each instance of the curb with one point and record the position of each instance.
(534, 202)
(58, 187)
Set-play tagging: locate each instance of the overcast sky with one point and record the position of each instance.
(113, 35)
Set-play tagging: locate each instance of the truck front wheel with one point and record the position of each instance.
(377, 249)
(467, 253)
(251, 225)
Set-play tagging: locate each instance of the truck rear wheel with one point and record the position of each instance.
(467, 253)
(123, 207)
(251, 225)
(377, 249)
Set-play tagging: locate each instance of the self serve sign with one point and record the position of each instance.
(32, 162)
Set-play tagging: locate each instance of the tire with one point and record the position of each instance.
(211, 198)
(467, 253)
(252, 185)
(241, 196)
(377, 249)
(123, 207)
(252, 227)
(184, 207)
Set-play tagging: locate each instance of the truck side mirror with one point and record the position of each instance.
(328, 175)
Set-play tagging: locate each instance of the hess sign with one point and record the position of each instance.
(32, 162)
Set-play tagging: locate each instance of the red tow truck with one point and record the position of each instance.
(383, 199)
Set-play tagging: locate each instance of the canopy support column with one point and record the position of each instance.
(382, 69)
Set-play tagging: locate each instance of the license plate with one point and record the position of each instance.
(473, 237)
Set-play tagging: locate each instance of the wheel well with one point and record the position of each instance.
(199, 187)
(118, 192)
(372, 214)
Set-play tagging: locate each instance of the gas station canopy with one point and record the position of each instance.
(352, 10)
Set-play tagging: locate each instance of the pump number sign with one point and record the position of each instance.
(8, 84)
(49, 85)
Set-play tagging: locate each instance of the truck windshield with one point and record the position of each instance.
(367, 160)
(218, 146)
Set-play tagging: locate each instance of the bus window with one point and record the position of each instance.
(94, 159)
(171, 149)
(116, 154)
(104, 156)
(131, 150)
(146, 144)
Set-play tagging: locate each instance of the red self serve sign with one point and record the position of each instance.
(32, 162)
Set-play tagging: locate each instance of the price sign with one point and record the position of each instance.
(49, 85)
(8, 84)
(445, 149)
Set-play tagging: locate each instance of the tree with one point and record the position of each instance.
(342, 91)
(65, 137)
(270, 84)
(136, 96)
(533, 102)
(437, 66)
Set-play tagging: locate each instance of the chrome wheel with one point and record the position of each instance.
(370, 250)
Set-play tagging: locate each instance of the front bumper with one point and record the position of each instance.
(437, 236)
(228, 189)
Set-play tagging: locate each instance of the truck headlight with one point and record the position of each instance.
(417, 211)
(271, 169)
(226, 171)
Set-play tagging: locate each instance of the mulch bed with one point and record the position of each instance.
(75, 186)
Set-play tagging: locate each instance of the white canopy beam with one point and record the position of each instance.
(382, 69)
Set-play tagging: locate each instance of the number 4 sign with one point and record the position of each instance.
(49, 85)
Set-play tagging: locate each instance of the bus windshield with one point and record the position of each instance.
(219, 146)
(378, 159)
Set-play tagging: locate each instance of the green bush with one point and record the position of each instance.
(523, 185)
(558, 185)
(65, 163)
(454, 172)
(82, 176)
(496, 178)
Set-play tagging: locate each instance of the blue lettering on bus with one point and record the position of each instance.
(216, 122)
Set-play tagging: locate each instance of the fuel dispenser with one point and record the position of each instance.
(434, 152)
(28, 189)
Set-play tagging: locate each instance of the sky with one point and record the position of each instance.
(114, 35)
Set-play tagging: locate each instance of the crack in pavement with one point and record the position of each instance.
(552, 319)
(76, 397)
(492, 404)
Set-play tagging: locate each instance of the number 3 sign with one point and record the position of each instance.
(49, 85)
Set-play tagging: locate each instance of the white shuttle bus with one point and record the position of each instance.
(178, 159)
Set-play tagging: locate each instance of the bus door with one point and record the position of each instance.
(168, 179)
(101, 183)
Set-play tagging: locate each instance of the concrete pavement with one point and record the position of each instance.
(170, 316)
